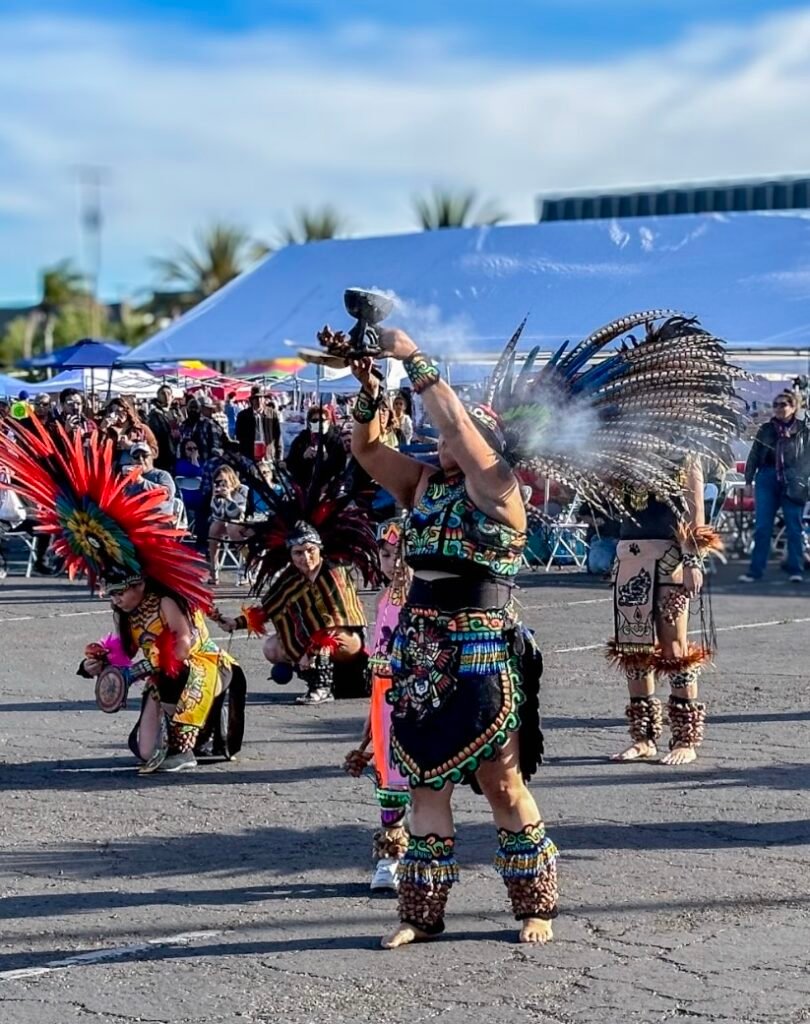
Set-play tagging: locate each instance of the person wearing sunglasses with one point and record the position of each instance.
(318, 445)
(145, 477)
(778, 467)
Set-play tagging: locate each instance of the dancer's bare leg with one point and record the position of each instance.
(431, 815)
(515, 811)
(640, 684)
(149, 728)
(674, 644)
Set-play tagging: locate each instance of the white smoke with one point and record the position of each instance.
(444, 337)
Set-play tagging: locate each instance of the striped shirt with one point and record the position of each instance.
(299, 607)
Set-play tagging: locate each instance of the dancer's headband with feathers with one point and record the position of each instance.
(101, 527)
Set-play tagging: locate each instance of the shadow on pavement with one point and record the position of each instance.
(346, 846)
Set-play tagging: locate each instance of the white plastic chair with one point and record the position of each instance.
(567, 537)
(179, 514)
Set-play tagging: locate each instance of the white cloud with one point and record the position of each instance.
(247, 127)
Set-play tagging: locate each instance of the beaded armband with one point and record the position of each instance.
(366, 406)
(422, 371)
(692, 560)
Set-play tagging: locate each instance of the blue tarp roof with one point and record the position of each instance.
(97, 352)
(463, 290)
(10, 387)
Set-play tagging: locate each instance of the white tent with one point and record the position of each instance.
(462, 291)
(121, 382)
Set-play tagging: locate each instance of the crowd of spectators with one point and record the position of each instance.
(198, 450)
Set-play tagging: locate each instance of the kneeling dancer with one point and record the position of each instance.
(125, 543)
(462, 709)
(302, 558)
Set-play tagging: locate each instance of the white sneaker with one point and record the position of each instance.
(319, 696)
(747, 578)
(797, 578)
(385, 875)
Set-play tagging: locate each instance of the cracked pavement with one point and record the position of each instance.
(237, 894)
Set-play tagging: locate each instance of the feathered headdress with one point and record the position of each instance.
(99, 529)
(346, 536)
(628, 422)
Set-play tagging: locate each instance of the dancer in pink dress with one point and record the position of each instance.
(391, 839)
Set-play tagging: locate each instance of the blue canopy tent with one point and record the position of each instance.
(464, 290)
(87, 352)
(10, 387)
(94, 355)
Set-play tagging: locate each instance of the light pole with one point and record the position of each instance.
(90, 179)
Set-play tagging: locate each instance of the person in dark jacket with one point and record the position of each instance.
(161, 422)
(778, 466)
(258, 430)
(303, 453)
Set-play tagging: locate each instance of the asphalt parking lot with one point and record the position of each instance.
(238, 892)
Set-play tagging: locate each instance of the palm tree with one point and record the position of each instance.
(446, 209)
(313, 225)
(62, 284)
(221, 252)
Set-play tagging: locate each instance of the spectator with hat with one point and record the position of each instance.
(258, 430)
(149, 478)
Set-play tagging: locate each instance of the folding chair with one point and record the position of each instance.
(566, 537)
(13, 519)
(230, 557)
(187, 485)
(179, 514)
(712, 510)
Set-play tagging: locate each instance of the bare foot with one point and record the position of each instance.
(536, 930)
(404, 936)
(644, 748)
(680, 754)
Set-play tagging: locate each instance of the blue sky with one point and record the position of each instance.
(247, 110)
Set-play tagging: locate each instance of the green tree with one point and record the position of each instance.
(12, 344)
(219, 254)
(313, 225)
(134, 326)
(62, 285)
(82, 318)
(446, 209)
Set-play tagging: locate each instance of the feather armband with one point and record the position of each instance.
(110, 650)
(698, 543)
(323, 642)
(254, 618)
(422, 371)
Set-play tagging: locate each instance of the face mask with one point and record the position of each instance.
(320, 427)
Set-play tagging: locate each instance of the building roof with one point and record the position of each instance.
(730, 195)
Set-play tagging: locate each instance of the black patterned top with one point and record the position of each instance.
(445, 531)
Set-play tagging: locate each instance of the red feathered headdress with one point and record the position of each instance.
(98, 529)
